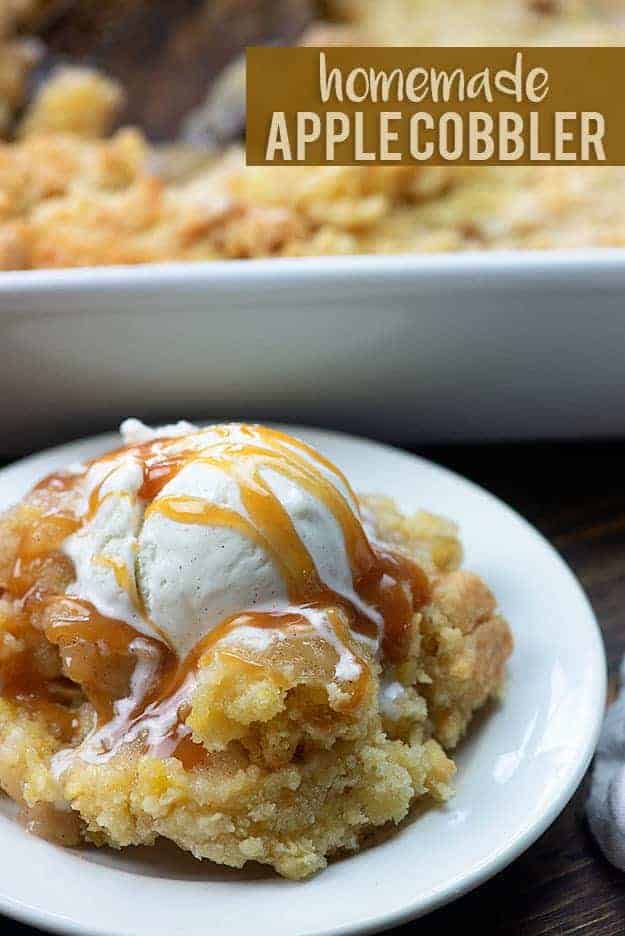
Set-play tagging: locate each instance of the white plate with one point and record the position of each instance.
(518, 769)
(532, 344)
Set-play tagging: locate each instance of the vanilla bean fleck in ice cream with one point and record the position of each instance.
(206, 635)
(233, 519)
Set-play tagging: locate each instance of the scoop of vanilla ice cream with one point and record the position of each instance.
(177, 581)
(103, 551)
(133, 431)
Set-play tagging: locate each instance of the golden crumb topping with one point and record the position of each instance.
(273, 740)
(72, 196)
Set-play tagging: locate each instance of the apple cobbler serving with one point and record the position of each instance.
(205, 636)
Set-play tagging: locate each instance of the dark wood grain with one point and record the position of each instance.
(574, 494)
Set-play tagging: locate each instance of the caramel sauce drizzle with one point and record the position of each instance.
(54, 697)
(76, 624)
(387, 586)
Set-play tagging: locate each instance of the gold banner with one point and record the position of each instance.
(443, 106)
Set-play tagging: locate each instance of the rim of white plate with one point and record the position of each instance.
(26, 471)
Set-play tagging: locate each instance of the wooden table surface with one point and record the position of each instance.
(575, 495)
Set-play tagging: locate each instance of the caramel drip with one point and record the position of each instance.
(41, 539)
(269, 524)
(96, 499)
(57, 481)
(388, 587)
(156, 474)
(191, 755)
(195, 510)
(55, 699)
(120, 571)
(29, 677)
(392, 585)
(98, 653)
(74, 618)
(174, 675)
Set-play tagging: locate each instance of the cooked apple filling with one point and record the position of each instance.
(206, 636)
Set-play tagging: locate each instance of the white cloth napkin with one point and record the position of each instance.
(606, 803)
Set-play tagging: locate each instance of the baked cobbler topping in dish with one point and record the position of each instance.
(72, 194)
(206, 623)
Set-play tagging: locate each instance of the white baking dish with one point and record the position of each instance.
(469, 346)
